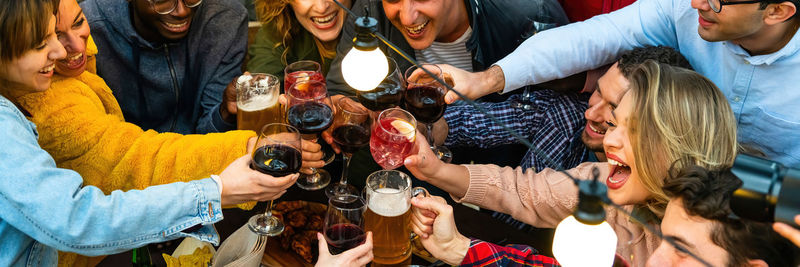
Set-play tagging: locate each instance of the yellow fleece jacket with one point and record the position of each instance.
(81, 125)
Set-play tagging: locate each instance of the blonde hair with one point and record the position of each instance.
(23, 26)
(285, 24)
(679, 117)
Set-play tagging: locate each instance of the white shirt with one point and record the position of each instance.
(454, 53)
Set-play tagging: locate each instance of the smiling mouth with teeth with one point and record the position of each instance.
(596, 130)
(618, 169)
(417, 29)
(171, 25)
(48, 69)
(325, 20)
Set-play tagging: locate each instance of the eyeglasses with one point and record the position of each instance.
(164, 7)
(716, 5)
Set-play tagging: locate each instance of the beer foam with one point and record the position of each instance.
(257, 103)
(244, 78)
(388, 202)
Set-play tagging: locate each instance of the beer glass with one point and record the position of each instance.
(257, 101)
(388, 215)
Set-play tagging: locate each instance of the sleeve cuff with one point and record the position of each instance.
(478, 185)
(218, 123)
(219, 183)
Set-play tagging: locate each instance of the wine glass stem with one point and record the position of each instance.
(268, 212)
(429, 135)
(347, 157)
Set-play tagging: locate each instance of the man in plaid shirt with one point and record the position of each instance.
(554, 123)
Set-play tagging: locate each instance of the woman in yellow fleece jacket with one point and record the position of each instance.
(81, 125)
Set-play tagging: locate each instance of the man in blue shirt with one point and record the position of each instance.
(749, 49)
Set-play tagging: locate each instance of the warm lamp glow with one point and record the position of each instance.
(577, 244)
(364, 70)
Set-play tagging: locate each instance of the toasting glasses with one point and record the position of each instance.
(309, 110)
(278, 154)
(425, 100)
(351, 129)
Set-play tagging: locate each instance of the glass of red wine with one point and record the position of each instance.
(424, 98)
(344, 223)
(309, 110)
(351, 128)
(307, 70)
(393, 137)
(389, 92)
(278, 154)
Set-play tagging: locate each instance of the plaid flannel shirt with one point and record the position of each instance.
(482, 253)
(551, 125)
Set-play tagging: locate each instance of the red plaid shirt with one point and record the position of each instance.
(482, 253)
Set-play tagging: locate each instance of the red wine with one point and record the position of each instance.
(351, 137)
(388, 94)
(310, 117)
(344, 236)
(425, 103)
(276, 160)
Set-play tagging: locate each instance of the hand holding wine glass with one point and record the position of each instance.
(344, 223)
(309, 110)
(358, 256)
(425, 100)
(351, 129)
(278, 154)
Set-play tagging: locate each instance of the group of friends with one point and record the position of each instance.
(118, 118)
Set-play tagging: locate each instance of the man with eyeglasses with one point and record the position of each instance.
(169, 61)
(749, 49)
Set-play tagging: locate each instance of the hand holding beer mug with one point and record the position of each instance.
(432, 219)
(388, 215)
(257, 101)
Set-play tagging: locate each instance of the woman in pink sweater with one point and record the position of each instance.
(668, 114)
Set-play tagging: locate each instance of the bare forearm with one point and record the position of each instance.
(493, 79)
(453, 179)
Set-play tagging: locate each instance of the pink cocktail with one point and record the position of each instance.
(392, 139)
(304, 70)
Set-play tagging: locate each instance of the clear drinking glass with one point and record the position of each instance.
(389, 92)
(425, 100)
(257, 101)
(309, 110)
(351, 129)
(344, 223)
(278, 154)
(307, 70)
(388, 215)
(393, 137)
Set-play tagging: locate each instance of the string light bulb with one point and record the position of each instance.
(365, 66)
(585, 238)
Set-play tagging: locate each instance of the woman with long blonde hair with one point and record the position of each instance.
(294, 30)
(669, 115)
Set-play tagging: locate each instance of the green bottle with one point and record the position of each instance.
(141, 257)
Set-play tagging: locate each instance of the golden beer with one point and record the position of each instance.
(388, 216)
(257, 112)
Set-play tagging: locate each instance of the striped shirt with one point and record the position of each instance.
(454, 53)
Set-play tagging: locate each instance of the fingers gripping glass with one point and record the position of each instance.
(278, 154)
(164, 7)
(716, 5)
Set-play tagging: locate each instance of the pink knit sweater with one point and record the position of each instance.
(543, 199)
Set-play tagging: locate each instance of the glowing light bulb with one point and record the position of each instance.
(364, 70)
(578, 244)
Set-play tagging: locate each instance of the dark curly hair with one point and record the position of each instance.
(707, 194)
(661, 54)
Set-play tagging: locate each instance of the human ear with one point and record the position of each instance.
(779, 12)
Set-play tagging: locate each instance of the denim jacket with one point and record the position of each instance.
(170, 87)
(45, 209)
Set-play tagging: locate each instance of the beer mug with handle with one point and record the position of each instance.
(257, 101)
(388, 215)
